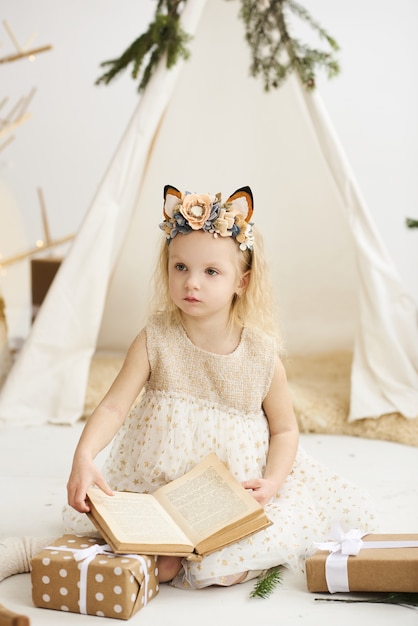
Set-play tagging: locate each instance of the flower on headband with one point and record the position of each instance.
(245, 231)
(196, 209)
(190, 212)
(224, 223)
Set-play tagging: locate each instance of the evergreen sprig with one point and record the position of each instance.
(411, 223)
(163, 37)
(408, 600)
(266, 583)
(275, 52)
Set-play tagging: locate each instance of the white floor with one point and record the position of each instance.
(34, 465)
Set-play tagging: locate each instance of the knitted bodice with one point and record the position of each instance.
(239, 380)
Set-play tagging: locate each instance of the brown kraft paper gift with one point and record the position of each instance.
(381, 569)
(82, 575)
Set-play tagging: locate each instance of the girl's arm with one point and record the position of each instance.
(104, 423)
(284, 438)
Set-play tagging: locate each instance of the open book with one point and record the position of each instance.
(203, 511)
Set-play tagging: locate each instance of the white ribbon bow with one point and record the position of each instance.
(349, 543)
(86, 555)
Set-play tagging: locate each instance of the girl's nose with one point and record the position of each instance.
(192, 281)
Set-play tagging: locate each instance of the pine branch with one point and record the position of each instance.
(304, 15)
(411, 223)
(266, 583)
(164, 37)
(275, 53)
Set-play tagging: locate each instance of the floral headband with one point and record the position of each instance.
(186, 212)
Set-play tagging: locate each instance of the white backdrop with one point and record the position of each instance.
(75, 127)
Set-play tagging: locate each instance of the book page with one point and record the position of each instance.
(207, 499)
(136, 518)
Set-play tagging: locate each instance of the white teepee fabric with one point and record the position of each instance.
(207, 124)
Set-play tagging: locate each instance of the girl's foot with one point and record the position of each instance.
(168, 568)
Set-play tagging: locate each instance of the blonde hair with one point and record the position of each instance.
(254, 308)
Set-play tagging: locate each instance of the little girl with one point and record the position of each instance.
(207, 371)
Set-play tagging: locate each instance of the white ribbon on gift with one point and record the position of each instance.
(348, 544)
(86, 555)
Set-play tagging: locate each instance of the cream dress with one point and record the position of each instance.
(197, 402)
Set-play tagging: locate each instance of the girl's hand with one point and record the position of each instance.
(84, 474)
(262, 489)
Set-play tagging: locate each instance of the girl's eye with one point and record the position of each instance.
(180, 266)
(211, 271)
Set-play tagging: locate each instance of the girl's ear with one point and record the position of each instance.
(172, 196)
(243, 283)
(242, 201)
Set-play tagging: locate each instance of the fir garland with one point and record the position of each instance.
(275, 53)
(411, 223)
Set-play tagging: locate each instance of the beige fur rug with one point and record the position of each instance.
(320, 392)
(320, 387)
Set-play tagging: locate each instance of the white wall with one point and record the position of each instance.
(66, 146)
(75, 126)
(373, 104)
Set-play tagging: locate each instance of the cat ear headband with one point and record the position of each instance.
(186, 212)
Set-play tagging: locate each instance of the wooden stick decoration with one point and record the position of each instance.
(15, 118)
(22, 51)
(29, 41)
(47, 236)
(33, 251)
(6, 143)
(26, 101)
(21, 105)
(47, 244)
(27, 53)
(12, 36)
(10, 127)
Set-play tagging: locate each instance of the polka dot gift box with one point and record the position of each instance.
(82, 575)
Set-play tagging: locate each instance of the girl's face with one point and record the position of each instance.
(204, 274)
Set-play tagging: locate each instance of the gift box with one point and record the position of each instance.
(365, 563)
(82, 575)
